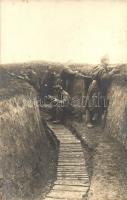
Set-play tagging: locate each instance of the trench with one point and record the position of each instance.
(39, 160)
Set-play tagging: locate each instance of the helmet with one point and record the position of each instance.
(105, 59)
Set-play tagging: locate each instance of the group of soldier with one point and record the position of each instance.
(57, 91)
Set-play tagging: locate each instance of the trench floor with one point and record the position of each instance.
(72, 181)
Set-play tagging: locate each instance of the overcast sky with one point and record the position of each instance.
(75, 31)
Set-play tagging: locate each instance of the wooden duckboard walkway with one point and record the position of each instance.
(72, 181)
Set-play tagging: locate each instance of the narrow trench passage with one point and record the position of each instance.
(75, 172)
(72, 182)
(61, 164)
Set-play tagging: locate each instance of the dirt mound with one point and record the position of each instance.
(27, 156)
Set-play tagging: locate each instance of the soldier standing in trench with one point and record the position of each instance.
(96, 100)
(67, 78)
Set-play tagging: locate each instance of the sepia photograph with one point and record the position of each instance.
(63, 100)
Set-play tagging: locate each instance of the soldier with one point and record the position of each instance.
(67, 76)
(46, 84)
(60, 104)
(96, 101)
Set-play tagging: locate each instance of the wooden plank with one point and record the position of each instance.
(69, 188)
(66, 194)
(72, 180)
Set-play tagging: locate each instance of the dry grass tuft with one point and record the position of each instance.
(24, 146)
(117, 111)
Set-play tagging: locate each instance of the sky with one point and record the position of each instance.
(63, 31)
